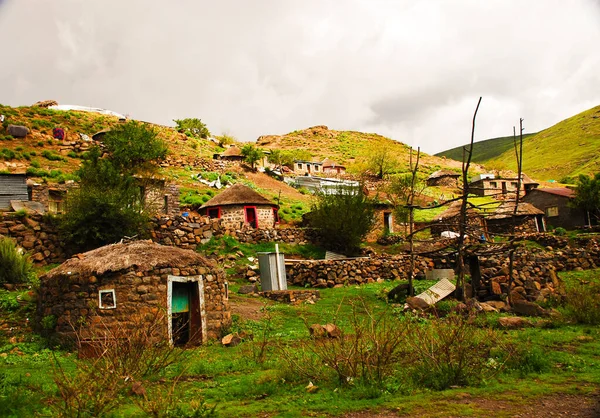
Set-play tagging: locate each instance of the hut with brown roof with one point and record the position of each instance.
(449, 220)
(331, 167)
(240, 204)
(117, 287)
(232, 153)
(527, 218)
(444, 178)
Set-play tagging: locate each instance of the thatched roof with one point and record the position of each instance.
(232, 152)
(238, 194)
(454, 210)
(507, 209)
(443, 173)
(145, 255)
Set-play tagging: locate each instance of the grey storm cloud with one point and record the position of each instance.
(410, 70)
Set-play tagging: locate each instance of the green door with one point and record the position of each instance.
(181, 297)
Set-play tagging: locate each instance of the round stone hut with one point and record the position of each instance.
(122, 286)
(239, 205)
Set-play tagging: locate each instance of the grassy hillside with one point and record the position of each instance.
(567, 149)
(483, 151)
(352, 149)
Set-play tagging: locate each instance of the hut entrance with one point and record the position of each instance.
(185, 307)
(251, 216)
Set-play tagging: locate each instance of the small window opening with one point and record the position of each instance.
(107, 299)
(226, 291)
(214, 213)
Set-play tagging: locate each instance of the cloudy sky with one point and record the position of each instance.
(408, 69)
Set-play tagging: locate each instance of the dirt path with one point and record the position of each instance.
(246, 307)
(558, 405)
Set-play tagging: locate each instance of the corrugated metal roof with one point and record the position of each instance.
(560, 191)
(12, 187)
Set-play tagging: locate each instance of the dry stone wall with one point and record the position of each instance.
(34, 235)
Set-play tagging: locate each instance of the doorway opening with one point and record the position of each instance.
(186, 320)
(251, 218)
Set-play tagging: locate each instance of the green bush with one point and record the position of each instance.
(52, 156)
(582, 303)
(561, 232)
(16, 267)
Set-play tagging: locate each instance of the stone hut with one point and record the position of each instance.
(240, 205)
(115, 288)
(527, 219)
(556, 203)
(232, 153)
(449, 220)
(445, 178)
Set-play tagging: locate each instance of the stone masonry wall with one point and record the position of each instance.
(35, 236)
(140, 297)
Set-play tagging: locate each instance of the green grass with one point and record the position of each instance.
(484, 151)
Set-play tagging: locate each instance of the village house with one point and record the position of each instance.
(106, 291)
(449, 220)
(331, 167)
(527, 219)
(238, 205)
(500, 188)
(302, 167)
(445, 178)
(555, 203)
(233, 153)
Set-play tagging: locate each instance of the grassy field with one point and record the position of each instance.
(282, 371)
(483, 151)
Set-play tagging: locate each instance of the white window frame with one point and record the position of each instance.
(105, 291)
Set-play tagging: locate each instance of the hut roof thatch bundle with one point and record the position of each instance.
(238, 194)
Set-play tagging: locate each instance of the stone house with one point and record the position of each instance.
(500, 187)
(444, 178)
(555, 204)
(302, 167)
(449, 220)
(106, 291)
(527, 219)
(238, 205)
(331, 167)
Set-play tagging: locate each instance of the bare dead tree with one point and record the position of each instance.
(462, 227)
(411, 218)
(513, 247)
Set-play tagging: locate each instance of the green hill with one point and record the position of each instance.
(483, 151)
(567, 149)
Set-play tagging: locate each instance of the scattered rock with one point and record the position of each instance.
(523, 307)
(231, 340)
(317, 330)
(333, 331)
(417, 303)
(137, 388)
(247, 289)
(513, 322)
(17, 131)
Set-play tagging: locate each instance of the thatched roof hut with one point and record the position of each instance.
(507, 210)
(443, 178)
(120, 286)
(238, 194)
(528, 218)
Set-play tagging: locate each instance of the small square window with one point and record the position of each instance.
(493, 184)
(214, 213)
(299, 166)
(552, 211)
(107, 299)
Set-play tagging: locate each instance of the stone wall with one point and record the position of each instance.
(37, 237)
(188, 232)
(534, 271)
(140, 296)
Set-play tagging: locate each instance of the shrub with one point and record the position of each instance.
(560, 231)
(342, 219)
(52, 156)
(582, 303)
(16, 267)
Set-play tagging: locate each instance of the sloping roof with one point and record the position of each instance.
(507, 210)
(559, 191)
(443, 173)
(232, 152)
(238, 194)
(145, 255)
(330, 163)
(454, 210)
(528, 180)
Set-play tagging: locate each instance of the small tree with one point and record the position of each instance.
(108, 204)
(343, 219)
(192, 125)
(382, 162)
(226, 139)
(252, 154)
(587, 196)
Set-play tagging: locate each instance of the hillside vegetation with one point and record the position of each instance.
(567, 149)
(561, 152)
(484, 151)
(352, 149)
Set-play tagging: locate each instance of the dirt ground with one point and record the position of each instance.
(246, 307)
(558, 405)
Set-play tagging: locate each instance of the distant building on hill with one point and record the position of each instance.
(444, 178)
